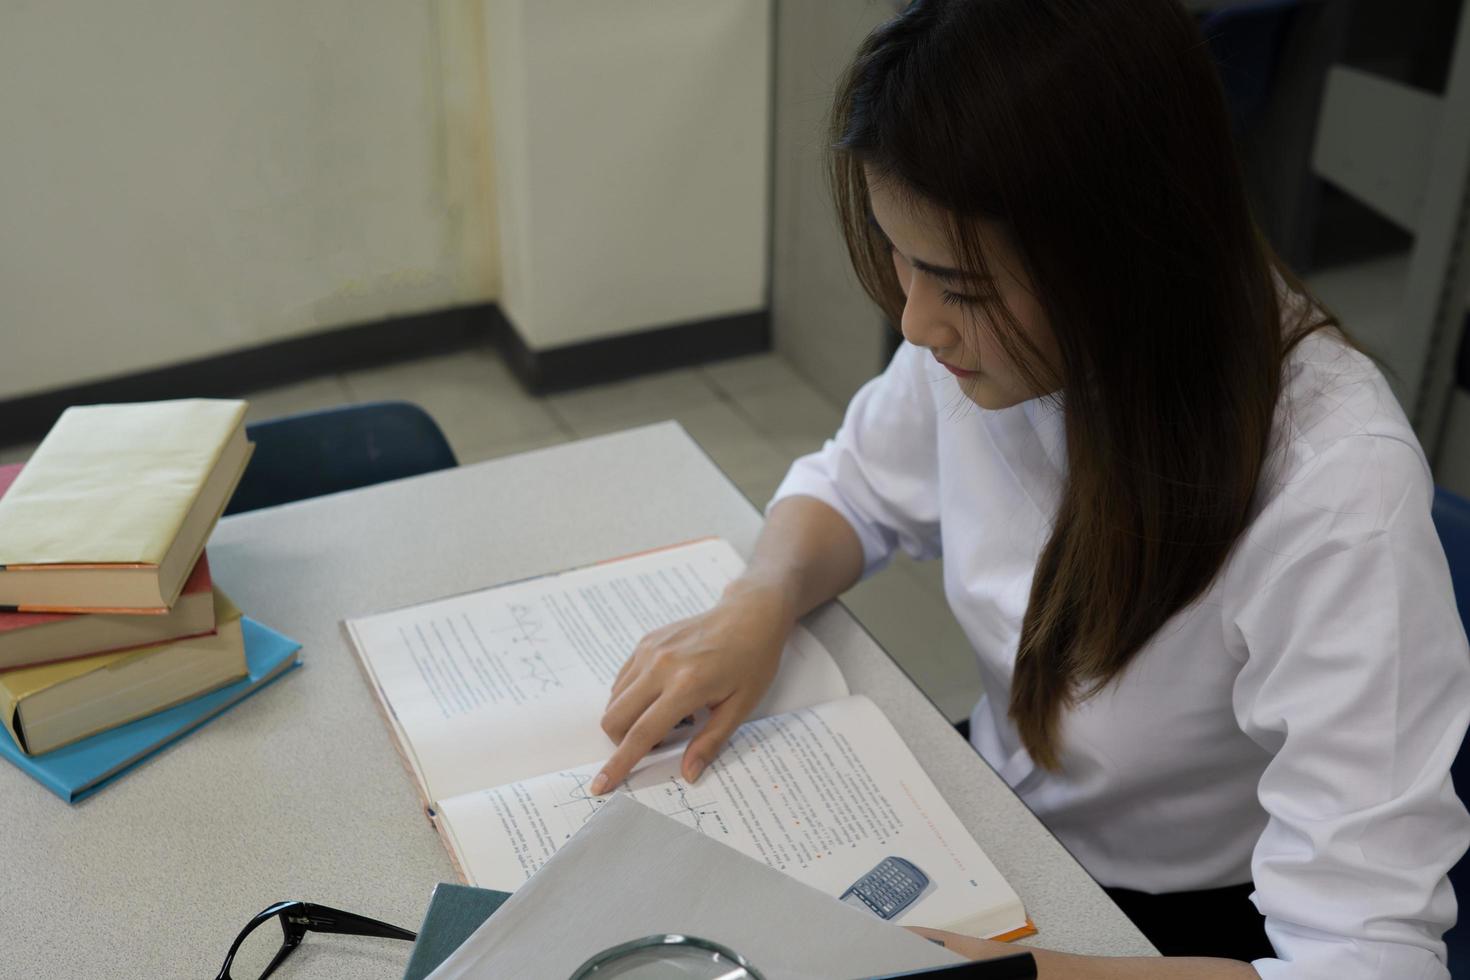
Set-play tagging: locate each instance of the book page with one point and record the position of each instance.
(512, 681)
(824, 794)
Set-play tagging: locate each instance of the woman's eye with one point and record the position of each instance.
(960, 299)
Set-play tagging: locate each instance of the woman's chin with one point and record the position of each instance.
(987, 394)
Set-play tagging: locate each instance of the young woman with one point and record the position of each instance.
(1184, 523)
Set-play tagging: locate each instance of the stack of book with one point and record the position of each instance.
(114, 638)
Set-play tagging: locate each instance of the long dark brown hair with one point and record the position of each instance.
(1095, 132)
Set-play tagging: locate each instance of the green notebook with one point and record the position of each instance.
(455, 911)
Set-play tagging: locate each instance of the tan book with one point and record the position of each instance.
(56, 704)
(31, 639)
(112, 511)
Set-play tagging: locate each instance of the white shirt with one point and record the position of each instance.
(1294, 726)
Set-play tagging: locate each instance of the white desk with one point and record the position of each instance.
(298, 793)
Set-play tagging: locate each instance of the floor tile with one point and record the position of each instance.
(929, 574)
(621, 404)
(921, 634)
(753, 372)
(327, 391)
(471, 394)
(494, 450)
(759, 483)
(793, 416)
(731, 440)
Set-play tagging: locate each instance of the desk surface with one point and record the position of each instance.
(298, 793)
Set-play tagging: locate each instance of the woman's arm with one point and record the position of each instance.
(1064, 966)
(807, 552)
(870, 490)
(726, 658)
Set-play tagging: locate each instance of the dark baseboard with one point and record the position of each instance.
(27, 418)
(629, 355)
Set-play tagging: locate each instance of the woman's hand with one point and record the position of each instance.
(723, 660)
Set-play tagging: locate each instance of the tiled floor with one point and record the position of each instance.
(754, 415)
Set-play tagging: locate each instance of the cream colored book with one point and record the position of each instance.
(495, 700)
(56, 704)
(113, 509)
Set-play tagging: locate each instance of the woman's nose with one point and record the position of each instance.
(926, 317)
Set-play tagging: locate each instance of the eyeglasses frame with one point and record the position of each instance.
(299, 918)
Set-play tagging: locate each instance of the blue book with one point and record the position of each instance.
(76, 771)
(455, 911)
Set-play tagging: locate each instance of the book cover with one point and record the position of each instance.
(112, 509)
(454, 912)
(47, 706)
(78, 770)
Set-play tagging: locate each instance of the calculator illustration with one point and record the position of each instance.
(892, 886)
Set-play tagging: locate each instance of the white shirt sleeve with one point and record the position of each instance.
(880, 470)
(1357, 681)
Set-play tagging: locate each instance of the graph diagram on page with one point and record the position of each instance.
(677, 799)
(672, 797)
(540, 676)
(573, 803)
(512, 654)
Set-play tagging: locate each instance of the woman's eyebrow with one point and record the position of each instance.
(940, 272)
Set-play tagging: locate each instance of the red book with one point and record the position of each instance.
(35, 638)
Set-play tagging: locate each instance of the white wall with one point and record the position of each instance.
(185, 177)
(631, 144)
(822, 320)
(181, 178)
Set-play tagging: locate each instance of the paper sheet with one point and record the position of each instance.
(631, 872)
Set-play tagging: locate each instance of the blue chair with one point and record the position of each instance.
(315, 453)
(1452, 521)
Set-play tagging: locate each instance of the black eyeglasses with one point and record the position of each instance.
(256, 952)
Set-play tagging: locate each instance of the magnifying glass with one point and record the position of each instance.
(667, 957)
(675, 957)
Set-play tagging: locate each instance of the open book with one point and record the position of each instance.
(495, 700)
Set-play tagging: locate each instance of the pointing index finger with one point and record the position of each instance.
(656, 722)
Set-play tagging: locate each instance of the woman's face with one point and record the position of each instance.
(951, 312)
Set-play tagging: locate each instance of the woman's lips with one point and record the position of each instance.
(958, 372)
